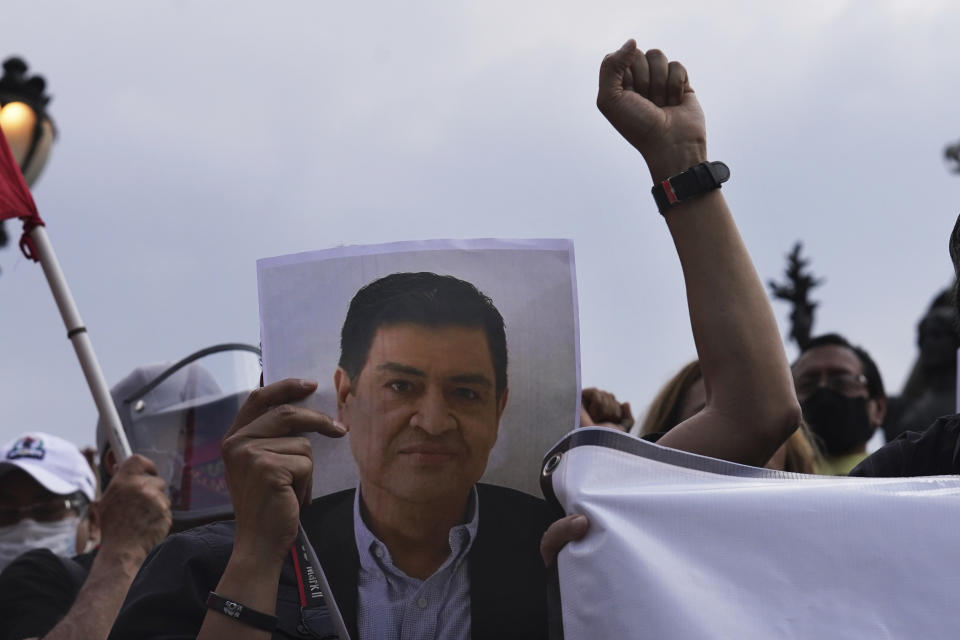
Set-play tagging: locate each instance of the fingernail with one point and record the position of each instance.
(628, 45)
(580, 522)
(339, 425)
(308, 384)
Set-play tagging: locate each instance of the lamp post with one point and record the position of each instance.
(25, 122)
(23, 105)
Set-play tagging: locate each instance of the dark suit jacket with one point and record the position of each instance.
(507, 579)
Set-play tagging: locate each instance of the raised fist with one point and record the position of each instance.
(134, 511)
(648, 99)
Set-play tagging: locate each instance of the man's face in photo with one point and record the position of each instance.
(423, 412)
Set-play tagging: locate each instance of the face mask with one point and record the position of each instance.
(839, 421)
(60, 537)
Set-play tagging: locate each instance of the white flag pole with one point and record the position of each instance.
(77, 334)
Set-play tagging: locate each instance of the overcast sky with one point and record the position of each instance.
(198, 137)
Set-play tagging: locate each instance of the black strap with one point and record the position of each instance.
(315, 617)
(241, 613)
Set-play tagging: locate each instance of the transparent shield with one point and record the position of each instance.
(179, 418)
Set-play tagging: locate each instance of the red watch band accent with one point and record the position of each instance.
(668, 189)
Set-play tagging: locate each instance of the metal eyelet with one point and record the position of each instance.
(552, 464)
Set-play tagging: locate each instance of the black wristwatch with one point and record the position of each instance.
(693, 182)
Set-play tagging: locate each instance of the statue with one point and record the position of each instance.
(796, 290)
(952, 155)
(931, 388)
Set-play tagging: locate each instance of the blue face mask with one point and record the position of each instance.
(60, 537)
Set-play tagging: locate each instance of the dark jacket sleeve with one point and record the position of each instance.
(167, 598)
(933, 452)
(36, 591)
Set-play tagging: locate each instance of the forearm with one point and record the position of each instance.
(100, 598)
(269, 466)
(751, 407)
(751, 404)
(251, 581)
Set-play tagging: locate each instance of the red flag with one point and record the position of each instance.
(15, 198)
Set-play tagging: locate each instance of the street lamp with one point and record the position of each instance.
(31, 132)
(24, 120)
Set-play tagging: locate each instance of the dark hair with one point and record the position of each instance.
(870, 371)
(425, 299)
(664, 412)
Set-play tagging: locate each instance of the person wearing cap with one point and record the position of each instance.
(46, 487)
(60, 587)
(157, 404)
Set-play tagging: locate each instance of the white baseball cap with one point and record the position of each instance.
(53, 462)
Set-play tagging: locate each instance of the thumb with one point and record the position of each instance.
(138, 464)
(558, 534)
(612, 70)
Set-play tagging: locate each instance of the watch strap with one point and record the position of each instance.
(693, 182)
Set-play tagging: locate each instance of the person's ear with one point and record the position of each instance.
(341, 382)
(877, 410)
(88, 530)
(502, 404)
(110, 463)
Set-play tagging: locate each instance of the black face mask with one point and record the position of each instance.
(839, 421)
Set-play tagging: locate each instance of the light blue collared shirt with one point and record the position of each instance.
(393, 606)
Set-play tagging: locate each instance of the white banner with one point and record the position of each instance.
(686, 547)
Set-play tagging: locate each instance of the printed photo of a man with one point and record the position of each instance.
(421, 386)
(344, 317)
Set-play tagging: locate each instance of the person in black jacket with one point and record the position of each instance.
(935, 451)
(63, 597)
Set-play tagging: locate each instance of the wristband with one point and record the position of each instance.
(241, 613)
(693, 182)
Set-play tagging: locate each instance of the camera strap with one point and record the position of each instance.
(319, 616)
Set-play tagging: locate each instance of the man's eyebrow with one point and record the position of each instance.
(472, 378)
(830, 370)
(842, 370)
(461, 378)
(396, 367)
